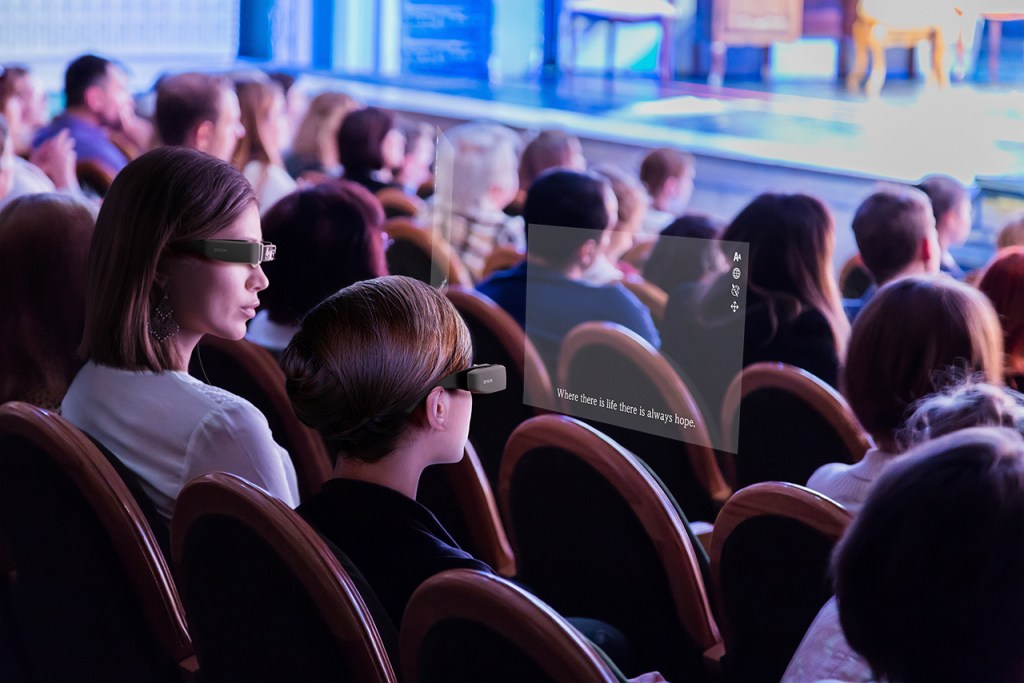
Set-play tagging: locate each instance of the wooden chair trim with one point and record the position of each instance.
(517, 345)
(660, 372)
(849, 265)
(440, 252)
(642, 492)
(772, 498)
(398, 201)
(309, 451)
(501, 258)
(566, 655)
(476, 499)
(94, 173)
(132, 537)
(299, 546)
(650, 295)
(810, 389)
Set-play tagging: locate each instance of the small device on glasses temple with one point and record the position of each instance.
(232, 251)
(477, 379)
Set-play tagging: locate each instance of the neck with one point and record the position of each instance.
(183, 346)
(83, 114)
(397, 471)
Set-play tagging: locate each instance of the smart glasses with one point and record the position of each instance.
(478, 379)
(231, 251)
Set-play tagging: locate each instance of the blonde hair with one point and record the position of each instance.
(317, 136)
(1011, 234)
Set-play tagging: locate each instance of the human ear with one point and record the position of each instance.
(587, 253)
(438, 409)
(202, 135)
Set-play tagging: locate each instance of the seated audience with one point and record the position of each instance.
(417, 164)
(548, 149)
(896, 236)
(792, 313)
(1003, 284)
(824, 652)
(583, 206)
(1012, 233)
(199, 111)
(674, 262)
(175, 256)
(315, 147)
(44, 243)
(483, 182)
(336, 227)
(98, 104)
(951, 206)
(668, 176)
(632, 202)
(17, 81)
(915, 337)
(258, 152)
(370, 145)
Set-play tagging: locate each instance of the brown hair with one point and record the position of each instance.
(964, 404)
(44, 246)
(1012, 233)
(549, 149)
(889, 227)
(317, 135)
(661, 164)
(906, 340)
(364, 357)
(256, 100)
(1003, 284)
(183, 101)
(361, 140)
(928, 577)
(168, 195)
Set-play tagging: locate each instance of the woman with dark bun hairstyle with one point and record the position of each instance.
(175, 256)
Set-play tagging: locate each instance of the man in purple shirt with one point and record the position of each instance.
(97, 102)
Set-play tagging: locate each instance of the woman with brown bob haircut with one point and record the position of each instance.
(176, 255)
(916, 336)
(371, 146)
(44, 244)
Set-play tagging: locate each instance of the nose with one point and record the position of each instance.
(258, 281)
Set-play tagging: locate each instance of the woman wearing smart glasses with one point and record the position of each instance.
(175, 256)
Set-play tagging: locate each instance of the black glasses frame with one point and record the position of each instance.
(484, 378)
(231, 251)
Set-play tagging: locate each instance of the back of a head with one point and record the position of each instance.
(565, 199)
(928, 576)
(365, 356)
(943, 192)
(81, 74)
(965, 404)
(678, 257)
(915, 336)
(183, 101)
(890, 227)
(1012, 233)
(256, 101)
(167, 195)
(1003, 283)
(630, 195)
(661, 164)
(334, 231)
(361, 137)
(549, 149)
(319, 127)
(44, 246)
(483, 158)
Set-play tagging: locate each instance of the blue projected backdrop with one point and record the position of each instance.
(447, 37)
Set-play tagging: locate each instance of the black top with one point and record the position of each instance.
(366, 179)
(394, 541)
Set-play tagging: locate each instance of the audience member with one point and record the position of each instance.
(631, 198)
(7, 156)
(200, 111)
(928, 577)
(915, 337)
(176, 255)
(548, 149)
(896, 236)
(1012, 233)
(951, 206)
(417, 164)
(259, 151)
(370, 145)
(20, 84)
(44, 243)
(569, 214)
(968, 403)
(483, 182)
(668, 176)
(315, 147)
(1003, 284)
(336, 227)
(675, 261)
(98, 104)
(792, 312)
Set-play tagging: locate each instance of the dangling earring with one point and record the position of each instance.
(162, 325)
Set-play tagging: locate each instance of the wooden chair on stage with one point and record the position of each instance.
(497, 338)
(418, 253)
(92, 597)
(250, 371)
(790, 424)
(602, 359)
(267, 598)
(465, 626)
(398, 203)
(461, 498)
(612, 12)
(597, 536)
(770, 553)
(874, 34)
